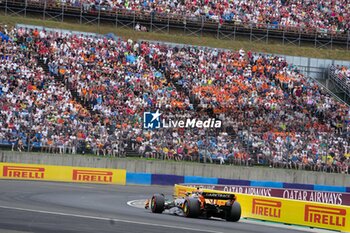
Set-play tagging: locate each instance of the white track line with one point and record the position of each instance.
(132, 203)
(108, 219)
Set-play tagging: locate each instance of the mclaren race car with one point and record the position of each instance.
(198, 204)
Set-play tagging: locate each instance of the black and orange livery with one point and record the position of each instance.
(198, 204)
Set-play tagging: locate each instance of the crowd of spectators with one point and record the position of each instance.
(342, 75)
(93, 98)
(37, 112)
(326, 16)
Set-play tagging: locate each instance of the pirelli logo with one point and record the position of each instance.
(23, 172)
(267, 208)
(93, 176)
(325, 215)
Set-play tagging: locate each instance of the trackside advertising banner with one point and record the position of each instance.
(335, 198)
(62, 173)
(326, 216)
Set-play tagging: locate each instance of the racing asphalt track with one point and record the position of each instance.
(29, 206)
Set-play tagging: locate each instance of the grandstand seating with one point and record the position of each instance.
(323, 19)
(328, 17)
(79, 93)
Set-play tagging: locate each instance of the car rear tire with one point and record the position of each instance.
(191, 208)
(235, 213)
(157, 203)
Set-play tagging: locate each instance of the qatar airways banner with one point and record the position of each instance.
(295, 194)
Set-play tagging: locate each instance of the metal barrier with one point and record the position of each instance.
(155, 22)
(340, 82)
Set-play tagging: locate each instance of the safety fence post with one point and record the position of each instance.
(251, 33)
(133, 23)
(151, 24)
(45, 4)
(267, 33)
(6, 7)
(62, 18)
(81, 14)
(168, 26)
(25, 8)
(99, 17)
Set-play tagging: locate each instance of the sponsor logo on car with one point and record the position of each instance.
(218, 195)
(93, 176)
(24, 172)
(267, 208)
(325, 215)
(182, 192)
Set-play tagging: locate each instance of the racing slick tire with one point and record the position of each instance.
(235, 213)
(191, 208)
(157, 203)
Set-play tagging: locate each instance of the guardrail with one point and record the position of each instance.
(26, 171)
(223, 174)
(340, 82)
(165, 22)
(326, 216)
(168, 179)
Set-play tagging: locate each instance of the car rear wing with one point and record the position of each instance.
(219, 196)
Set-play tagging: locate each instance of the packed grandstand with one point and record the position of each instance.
(65, 93)
(329, 17)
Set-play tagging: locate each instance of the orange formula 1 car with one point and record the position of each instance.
(198, 204)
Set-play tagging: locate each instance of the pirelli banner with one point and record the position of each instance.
(326, 216)
(62, 173)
